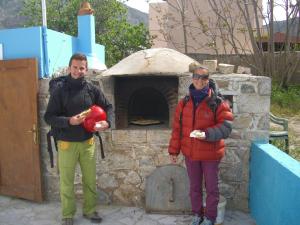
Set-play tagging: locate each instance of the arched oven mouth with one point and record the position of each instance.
(147, 107)
(145, 102)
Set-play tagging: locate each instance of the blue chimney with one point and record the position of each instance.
(86, 36)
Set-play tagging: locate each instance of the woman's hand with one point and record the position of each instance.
(173, 159)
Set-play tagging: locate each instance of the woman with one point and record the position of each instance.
(200, 124)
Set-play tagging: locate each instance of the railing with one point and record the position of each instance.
(282, 134)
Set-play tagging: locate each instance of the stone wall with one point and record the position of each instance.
(132, 155)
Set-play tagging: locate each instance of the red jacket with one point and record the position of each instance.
(202, 119)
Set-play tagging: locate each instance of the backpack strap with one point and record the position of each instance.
(54, 84)
(184, 101)
(49, 145)
(92, 96)
(214, 102)
(90, 91)
(101, 144)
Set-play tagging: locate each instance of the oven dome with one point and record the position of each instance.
(155, 61)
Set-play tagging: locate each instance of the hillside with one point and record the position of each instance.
(9, 14)
(280, 26)
(135, 16)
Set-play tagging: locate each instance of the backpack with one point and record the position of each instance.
(216, 99)
(55, 83)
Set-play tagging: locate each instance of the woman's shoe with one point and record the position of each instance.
(196, 220)
(206, 222)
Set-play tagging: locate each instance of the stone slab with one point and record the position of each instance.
(16, 211)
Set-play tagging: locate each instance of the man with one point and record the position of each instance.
(201, 122)
(75, 144)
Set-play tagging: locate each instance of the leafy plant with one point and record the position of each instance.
(121, 40)
(285, 102)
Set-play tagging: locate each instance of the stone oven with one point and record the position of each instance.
(146, 86)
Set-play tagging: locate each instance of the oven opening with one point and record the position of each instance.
(148, 107)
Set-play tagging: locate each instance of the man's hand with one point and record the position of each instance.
(101, 125)
(77, 119)
(173, 159)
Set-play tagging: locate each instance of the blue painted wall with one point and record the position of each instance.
(23, 43)
(52, 49)
(60, 48)
(274, 186)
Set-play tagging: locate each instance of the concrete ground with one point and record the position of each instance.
(21, 212)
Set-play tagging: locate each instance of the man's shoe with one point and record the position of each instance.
(67, 221)
(206, 222)
(94, 217)
(196, 220)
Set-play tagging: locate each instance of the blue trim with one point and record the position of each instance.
(45, 52)
(274, 186)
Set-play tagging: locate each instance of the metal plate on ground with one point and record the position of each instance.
(167, 190)
(145, 122)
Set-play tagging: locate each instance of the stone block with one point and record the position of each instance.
(244, 70)
(231, 156)
(256, 135)
(133, 178)
(231, 172)
(103, 197)
(121, 162)
(211, 65)
(223, 84)
(263, 121)
(252, 103)
(107, 85)
(44, 86)
(129, 136)
(236, 134)
(248, 88)
(230, 142)
(128, 195)
(242, 121)
(226, 68)
(226, 190)
(43, 102)
(107, 181)
(264, 86)
(158, 136)
(42, 122)
(183, 86)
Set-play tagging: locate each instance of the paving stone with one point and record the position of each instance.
(21, 212)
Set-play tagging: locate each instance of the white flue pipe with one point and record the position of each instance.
(44, 13)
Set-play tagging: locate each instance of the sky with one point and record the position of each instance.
(143, 6)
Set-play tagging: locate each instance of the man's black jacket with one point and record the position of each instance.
(73, 97)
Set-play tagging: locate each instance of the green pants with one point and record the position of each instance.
(69, 154)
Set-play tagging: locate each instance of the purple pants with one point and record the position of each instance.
(196, 171)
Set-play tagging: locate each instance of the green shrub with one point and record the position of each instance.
(285, 101)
